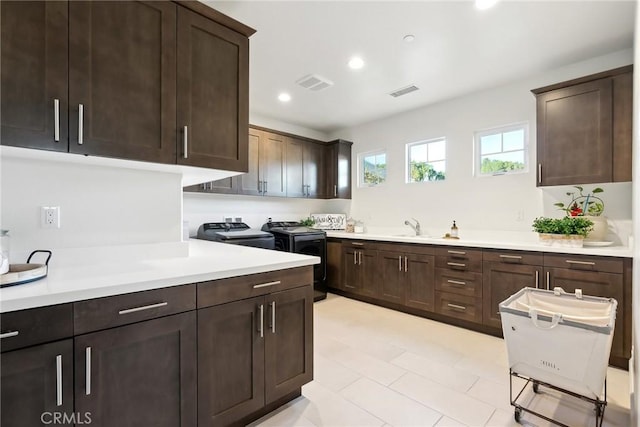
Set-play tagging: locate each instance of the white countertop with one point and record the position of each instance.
(66, 282)
(494, 240)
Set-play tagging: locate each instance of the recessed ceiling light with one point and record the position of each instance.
(409, 38)
(284, 97)
(485, 4)
(356, 63)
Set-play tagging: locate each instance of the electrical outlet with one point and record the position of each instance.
(50, 217)
(520, 215)
(231, 218)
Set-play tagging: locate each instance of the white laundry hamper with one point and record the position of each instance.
(560, 338)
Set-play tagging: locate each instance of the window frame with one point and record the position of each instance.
(477, 158)
(407, 160)
(361, 157)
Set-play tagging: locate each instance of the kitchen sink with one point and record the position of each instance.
(412, 235)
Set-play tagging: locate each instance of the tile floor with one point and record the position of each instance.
(379, 367)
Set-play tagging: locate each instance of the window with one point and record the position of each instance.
(373, 168)
(502, 150)
(426, 160)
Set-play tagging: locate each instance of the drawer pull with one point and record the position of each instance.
(9, 334)
(265, 285)
(456, 307)
(144, 307)
(510, 256)
(456, 264)
(456, 282)
(87, 373)
(457, 252)
(570, 261)
(59, 380)
(357, 244)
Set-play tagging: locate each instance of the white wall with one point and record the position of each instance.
(475, 203)
(100, 206)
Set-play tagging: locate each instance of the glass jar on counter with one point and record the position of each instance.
(4, 251)
(350, 226)
(358, 227)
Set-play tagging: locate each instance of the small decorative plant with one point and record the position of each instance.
(307, 222)
(583, 204)
(569, 225)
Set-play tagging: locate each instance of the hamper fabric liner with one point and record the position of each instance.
(559, 338)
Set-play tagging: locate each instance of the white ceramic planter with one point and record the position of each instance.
(561, 240)
(600, 228)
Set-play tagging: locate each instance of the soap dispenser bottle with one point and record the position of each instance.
(454, 230)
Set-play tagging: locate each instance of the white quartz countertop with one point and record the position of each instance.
(97, 278)
(496, 240)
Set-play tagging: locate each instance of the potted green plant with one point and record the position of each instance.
(588, 205)
(569, 231)
(308, 222)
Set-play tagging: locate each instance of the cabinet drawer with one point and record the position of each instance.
(359, 244)
(108, 312)
(459, 306)
(23, 328)
(460, 259)
(513, 257)
(236, 288)
(459, 282)
(584, 262)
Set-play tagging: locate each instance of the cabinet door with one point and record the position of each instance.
(314, 173)
(213, 93)
(575, 134)
(334, 264)
(122, 72)
(272, 164)
(369, 278)
(392, 276)
(420, 281)
(350, 270)
(598, 284)
(34, 74)
(295, 168)
(35, 382)
(139, 374)
(251, 182)
(499, 282)
(338, 166)
(230, 361)
(288, 342)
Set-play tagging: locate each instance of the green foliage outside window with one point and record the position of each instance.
(374, 173)
(494, 165)
(423, 171)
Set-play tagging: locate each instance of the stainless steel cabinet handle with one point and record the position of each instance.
(456, 282)
(457, 252)
(537, 279)
(59, 380)
(267, 284)
(510, 256)
(355, 254)
(265, 187)
(335, 191)
(456, 306)
(456, 264)
(570, 261)
(56, 120)
(360, 258)
(185, 142)
(259, 187)
(548, 280)
(273, 317)
(144, 307)
(399, 263)
(9, 334)
(357, 244)
(87, 372)
(261, 322)
(405, 264)
(539, 173)
(80, 124)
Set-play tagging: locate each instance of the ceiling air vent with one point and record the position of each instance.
(314, 82)
(404, 91)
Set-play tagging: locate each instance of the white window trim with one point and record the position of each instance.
(407, 161)
(500, 129)
(361, 156)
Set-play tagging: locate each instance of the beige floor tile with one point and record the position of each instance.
(383, 372)
(445, 400)
(495, 394)
(289, 415)
(448, 422)
(388, 405)
(442, 373)
(332, 374)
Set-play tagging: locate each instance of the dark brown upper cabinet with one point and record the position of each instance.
(305, 168)
(123, 80)
(213, 94)
(584, 129)
(266, 171)
(34, 88)
(338, 161)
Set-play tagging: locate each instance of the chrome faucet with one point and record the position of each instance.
(416, 228)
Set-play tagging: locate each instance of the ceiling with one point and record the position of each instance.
(457, 49)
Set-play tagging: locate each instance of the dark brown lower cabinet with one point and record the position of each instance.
(253, 352)
(142, 374)
(36, 384)
(407, 278)
(360, 271)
